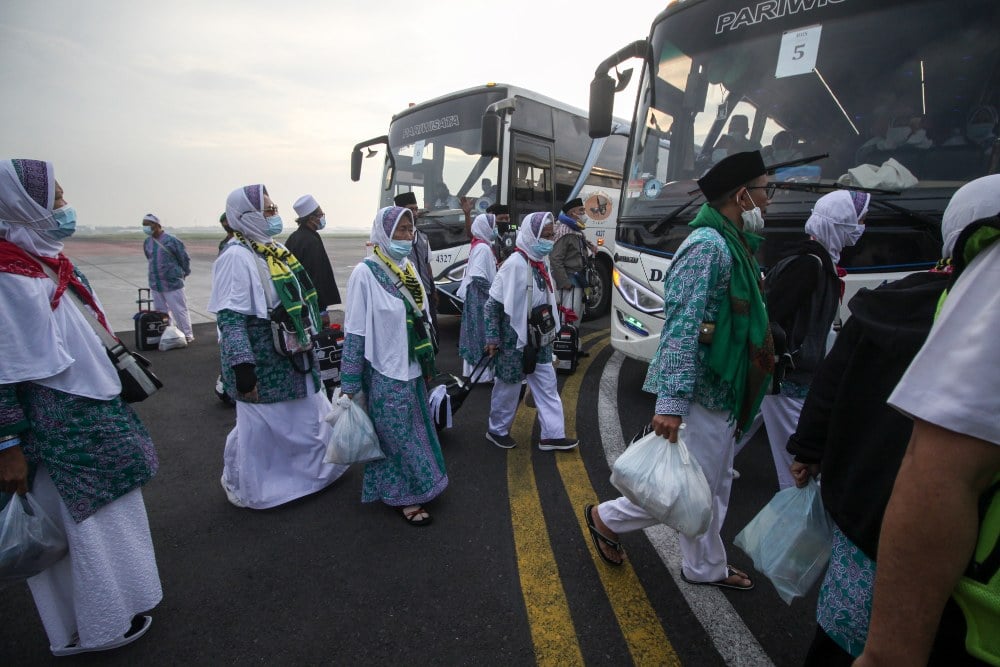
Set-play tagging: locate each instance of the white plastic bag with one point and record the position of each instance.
(790, 540)
(666, 481)
(172, 338)
(30, 541)
(353, 439)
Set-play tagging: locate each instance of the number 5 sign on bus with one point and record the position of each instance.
(798, 52)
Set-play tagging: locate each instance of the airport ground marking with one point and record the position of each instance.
(552, 631)
(641, 628)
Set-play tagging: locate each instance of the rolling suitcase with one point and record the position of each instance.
(149, 323)
(565, 349)
(450, 391)
(329, 346)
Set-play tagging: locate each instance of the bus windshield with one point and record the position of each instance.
(437, 156)
(865, 82)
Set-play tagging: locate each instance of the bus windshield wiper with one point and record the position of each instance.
(771, 168)
(670, 217)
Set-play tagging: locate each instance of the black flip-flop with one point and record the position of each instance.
(721, 583)
(413, 521)
(599, 539)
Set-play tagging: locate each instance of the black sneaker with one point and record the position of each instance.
(557, 443)
(504, 441)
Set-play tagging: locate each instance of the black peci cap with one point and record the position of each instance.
(730, 173)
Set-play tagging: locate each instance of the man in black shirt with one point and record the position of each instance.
(307, 246)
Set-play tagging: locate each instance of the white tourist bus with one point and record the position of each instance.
(855, 81)
(499, 144)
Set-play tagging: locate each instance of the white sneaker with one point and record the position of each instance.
(140, 624)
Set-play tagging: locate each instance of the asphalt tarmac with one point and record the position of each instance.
(505, 575)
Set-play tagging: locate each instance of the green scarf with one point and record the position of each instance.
(974, 239)
(417, 334)
(294, 287)
(742, 352)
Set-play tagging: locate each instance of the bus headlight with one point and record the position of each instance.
(636, 295)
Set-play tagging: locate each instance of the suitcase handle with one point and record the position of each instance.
(480, 367)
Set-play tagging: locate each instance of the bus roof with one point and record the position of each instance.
(507, 89)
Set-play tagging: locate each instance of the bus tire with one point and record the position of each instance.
(603, 305)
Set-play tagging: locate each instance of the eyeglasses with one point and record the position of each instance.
(271, 210)
(769, 189)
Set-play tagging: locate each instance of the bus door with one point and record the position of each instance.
(531, 177)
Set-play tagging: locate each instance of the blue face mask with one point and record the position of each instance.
(66, 219)
(322, 223)
(147, 230)
(542, 247)
(399, 249)
(274, 225)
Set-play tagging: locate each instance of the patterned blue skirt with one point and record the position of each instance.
(413, 470)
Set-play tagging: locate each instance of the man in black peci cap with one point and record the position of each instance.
(714, 362)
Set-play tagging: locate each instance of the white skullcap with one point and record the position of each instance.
(305, 205)
(149, 217)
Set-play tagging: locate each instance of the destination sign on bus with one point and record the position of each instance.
(768, 10)
(427, 127)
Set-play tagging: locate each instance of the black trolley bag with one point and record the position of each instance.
(458, 389)
(566, 349)
(149, 323)
(329, 346)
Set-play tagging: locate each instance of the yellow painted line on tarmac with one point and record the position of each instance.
(552, 631)
(641, 627)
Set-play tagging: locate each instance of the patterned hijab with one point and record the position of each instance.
(245, 212)
(384, 224)
(530, 231)
(27, 196)
(834, 220)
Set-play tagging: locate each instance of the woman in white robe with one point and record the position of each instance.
(475, 292)
(61, 414)
(388, 355)
(275, 452)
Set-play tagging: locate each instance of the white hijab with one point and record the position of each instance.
(834, 220)
(54, 348)
(973, 201)
(237, 284)
(530, 231)
(245, 212)
(24, 220)
(384, 226)
(482, 263)
(515, 280)
(380, 317)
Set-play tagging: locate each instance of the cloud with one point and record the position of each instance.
(171, 105)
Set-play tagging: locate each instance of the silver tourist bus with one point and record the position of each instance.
(824, 88)
(499, 144)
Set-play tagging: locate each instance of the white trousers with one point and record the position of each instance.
(108, 576)
(572, 299)
(781, 418)
(175, 303)
(544, 388)
(710, 439)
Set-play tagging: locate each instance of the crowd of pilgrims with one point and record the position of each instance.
(67, 434)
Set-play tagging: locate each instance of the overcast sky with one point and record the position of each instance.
(167, 106)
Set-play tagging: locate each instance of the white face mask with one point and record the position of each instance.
(753, 220)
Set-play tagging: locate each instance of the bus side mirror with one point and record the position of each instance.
(490, 144)
(602, 101)
(356, 158)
